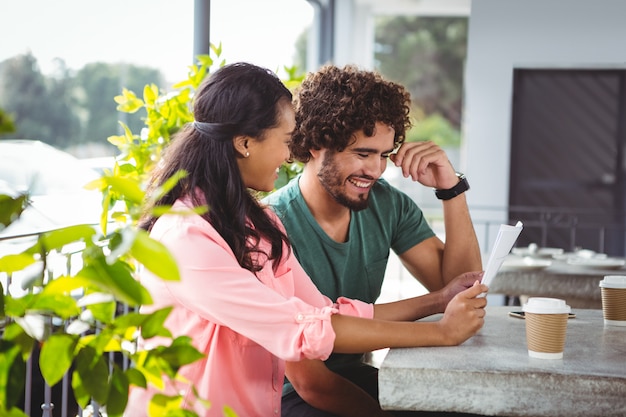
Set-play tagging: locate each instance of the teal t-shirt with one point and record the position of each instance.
(356, 268)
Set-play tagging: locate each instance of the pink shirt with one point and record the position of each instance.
(247, 325)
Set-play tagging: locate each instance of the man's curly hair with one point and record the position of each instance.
(334, 103)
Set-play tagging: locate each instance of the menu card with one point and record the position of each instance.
(507, 235)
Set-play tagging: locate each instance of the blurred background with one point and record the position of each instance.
(61, 66)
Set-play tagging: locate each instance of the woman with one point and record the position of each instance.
(243, 297)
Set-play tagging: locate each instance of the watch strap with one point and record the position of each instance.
(459, 188)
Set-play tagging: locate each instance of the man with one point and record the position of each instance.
(343, 219)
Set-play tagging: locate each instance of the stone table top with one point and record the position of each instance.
(578, 285)
(492, 374)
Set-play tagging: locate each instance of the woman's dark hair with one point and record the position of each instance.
(237, 99)
(333, 103)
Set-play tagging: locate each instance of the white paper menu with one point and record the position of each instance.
(507, 235)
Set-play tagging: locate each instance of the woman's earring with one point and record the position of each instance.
(247, 154)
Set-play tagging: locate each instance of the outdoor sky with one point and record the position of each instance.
(155, 33)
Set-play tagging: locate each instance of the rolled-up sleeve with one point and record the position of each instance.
(350, 307)
(317, 333)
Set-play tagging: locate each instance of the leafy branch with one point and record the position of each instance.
(75, 318)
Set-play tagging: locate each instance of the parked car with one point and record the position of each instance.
(54, 181)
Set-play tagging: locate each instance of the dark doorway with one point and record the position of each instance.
(567, 158)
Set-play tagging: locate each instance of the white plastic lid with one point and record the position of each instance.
(614, 281)
(542, 305)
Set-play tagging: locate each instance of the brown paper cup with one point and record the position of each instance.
(546, 327)
(545, 335)
(613, 289)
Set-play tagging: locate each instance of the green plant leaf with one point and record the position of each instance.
(206, 60)
(7, 124)
(13, 412)
(120, 242)
(180, 412)
(153, 325)
(57, 239)
(14, 263)
(63, 306)
(97, 184)
(103, 312)
(151, 367)
(118, 393)
(128, 102)
(167, 360)
(169, 184)
(127, 188)
(150, 94)
(80, 392)
(11, 208)
(12, 374)
(136, 378)
(155, 257)
(103, 342)
(15, 334)
(229, 412)
(161, 210)
(183, 84)
(130, 320)
(16, 307)
(94, 373)
(116, 279)
(161, 405)
(181, 352)
(117, 140)
(65, 285)
(56, 357)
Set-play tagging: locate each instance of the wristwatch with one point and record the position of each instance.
(459, 188)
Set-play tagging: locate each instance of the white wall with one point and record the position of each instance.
(508, 34)
(354, 33)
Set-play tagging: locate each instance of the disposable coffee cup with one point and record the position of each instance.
(613, 288)
(546, 325)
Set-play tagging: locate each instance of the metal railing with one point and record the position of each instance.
(39, 398)
(565, 228)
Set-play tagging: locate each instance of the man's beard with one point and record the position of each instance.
(334, 186)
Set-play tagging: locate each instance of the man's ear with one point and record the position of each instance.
(241, 145)
(315, 153)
